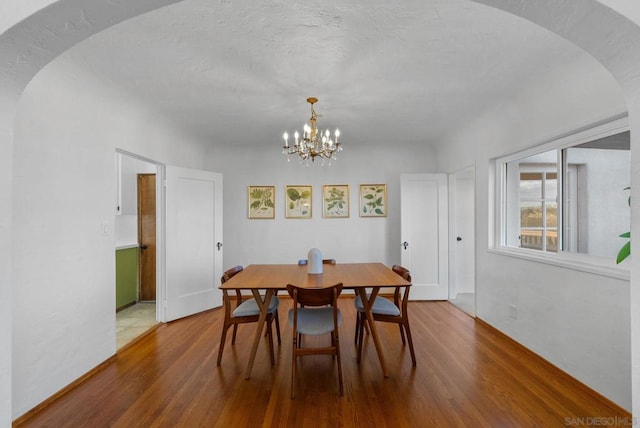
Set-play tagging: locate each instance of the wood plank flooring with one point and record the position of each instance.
(468, 375)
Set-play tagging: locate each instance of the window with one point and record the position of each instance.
(568, 196)
(539, 210)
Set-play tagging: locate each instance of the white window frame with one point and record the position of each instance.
(579, 261)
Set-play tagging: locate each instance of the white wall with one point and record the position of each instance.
(12, 11)
(283, 240)
(67, 128)
(6, 262)
(578, 321)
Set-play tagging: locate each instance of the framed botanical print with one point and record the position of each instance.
(335, 200)
(298, 202)
(261, 202)
(373, 200)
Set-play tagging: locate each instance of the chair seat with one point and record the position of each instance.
(381, 306)
(315, 321)
(250, 307)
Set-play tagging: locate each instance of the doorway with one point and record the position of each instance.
(462, 240)
(135, 233)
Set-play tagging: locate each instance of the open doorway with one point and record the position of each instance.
(462, 240)
(135, 227)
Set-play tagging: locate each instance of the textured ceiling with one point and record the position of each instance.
(405, 72)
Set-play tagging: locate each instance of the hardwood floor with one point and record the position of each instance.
(468, 375)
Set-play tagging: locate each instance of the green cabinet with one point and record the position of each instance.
(126, 276)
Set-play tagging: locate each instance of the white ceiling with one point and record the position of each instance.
(405, 72)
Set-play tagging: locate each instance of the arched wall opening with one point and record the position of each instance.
(29, 45)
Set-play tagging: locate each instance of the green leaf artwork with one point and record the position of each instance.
(298, 204)
(335, 200)
(261, 201)
(373, 200)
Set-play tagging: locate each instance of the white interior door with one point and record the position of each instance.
(193, 231)
(424, 234)
(462, 239)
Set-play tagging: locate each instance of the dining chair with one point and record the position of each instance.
(246, 311)
(384, 310)
(318, 315)
(303, 262)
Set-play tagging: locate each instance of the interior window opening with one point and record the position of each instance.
(570, 198)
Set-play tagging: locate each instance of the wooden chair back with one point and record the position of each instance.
(315, 296)
(402, 302)
(230, 273)
(402, 271)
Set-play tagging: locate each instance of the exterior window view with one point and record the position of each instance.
(539, 211)
(570, 199)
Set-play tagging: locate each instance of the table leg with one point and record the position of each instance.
(368, 304)
(264, 307)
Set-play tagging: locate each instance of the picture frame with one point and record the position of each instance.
(261, 202)
(298, 201)
(335, 201)
(373, 200)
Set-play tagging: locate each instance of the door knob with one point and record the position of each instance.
(405, 244)
(143, 247)
(459, 239)
(219, 245)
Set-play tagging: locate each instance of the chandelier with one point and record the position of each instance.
(313, 143)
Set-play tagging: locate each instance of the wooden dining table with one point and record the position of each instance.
(269, 278)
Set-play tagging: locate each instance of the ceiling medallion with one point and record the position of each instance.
(313, 143)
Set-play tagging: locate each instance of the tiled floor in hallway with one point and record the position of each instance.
(133, 321)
